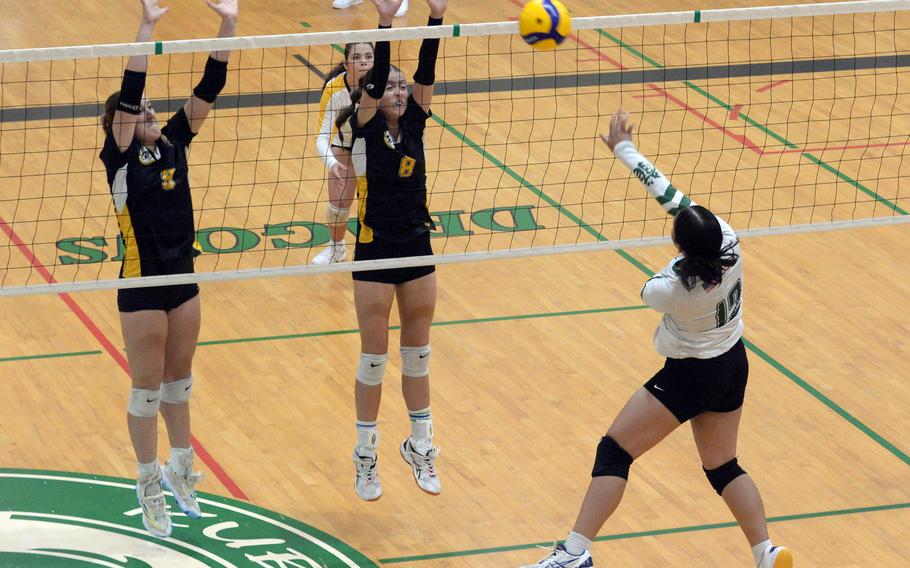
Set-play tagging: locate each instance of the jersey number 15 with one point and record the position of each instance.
(728, 308)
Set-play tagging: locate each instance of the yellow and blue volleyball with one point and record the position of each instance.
(544, 24)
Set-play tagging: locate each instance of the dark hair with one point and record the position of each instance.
(345, 114)
(110, 109)
(698, 234)
(339, 69)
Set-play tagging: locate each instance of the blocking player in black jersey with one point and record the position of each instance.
(393, 221)
(147, 171)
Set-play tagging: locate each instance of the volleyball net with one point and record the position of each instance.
(780, 119)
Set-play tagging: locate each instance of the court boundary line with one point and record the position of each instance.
(115, 354)
(812, 158)
(641, 534)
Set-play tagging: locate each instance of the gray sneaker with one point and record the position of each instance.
(154, 509)
(423, 465)
(366, 477)
(181, 482)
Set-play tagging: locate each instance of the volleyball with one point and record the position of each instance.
(544, 24)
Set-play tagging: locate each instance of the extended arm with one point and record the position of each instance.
(215, 76)
(382, 55)
(128, 107)
(425, 75)
(620, 142)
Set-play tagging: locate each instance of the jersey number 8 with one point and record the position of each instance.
(167, 179)
(729, 307)
(406, 168)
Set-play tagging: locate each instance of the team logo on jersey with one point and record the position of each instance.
(646, 173)
(51, 518)
(147, 157)
(389, 141)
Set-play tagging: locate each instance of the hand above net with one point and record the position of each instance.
(620, 129)
(437, 7)
(387, 9)
(227, 9)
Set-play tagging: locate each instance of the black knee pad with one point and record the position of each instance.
(720, 477)
(611, 460)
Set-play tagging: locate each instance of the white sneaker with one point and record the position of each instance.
(402, 10)
(181, 481)
(154, 509)
(342, 4)
(334, 252)
(366, 477)
(559, 558)
(423, 465)
(776, 557)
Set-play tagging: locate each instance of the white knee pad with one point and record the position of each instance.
(415, 361)
(177, 392)
(371, 368)
(144, 403)
(337, 215)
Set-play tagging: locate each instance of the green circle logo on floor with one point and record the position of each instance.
(75, 520)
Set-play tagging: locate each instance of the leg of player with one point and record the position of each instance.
(640, 425)
(715, 436)
(341, 194)
(183, 334)
(145, 336)
(373, 303)
(416, 305)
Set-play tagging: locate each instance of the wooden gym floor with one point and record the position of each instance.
(532, 357)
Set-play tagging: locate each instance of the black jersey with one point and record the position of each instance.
(151, 193)
(394, 198)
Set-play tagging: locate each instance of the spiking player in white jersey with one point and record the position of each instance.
(703, 380)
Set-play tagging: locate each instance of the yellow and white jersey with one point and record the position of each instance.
(705, 321)
(335, 98)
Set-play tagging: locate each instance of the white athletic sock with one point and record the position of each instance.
(421, 429)
(758, 551)
(367, 438)
(181, 458)
(577, 544)
(147, 470)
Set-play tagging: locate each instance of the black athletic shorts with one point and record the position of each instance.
(688, 387)
(419, 246)
(164, 298)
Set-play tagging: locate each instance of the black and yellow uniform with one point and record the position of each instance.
(151, 193)
(393, 220)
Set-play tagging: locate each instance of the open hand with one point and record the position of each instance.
(339, 171)
(227, 9)
(620, 129)
(437, 7)
(387, 9)
(152, 12)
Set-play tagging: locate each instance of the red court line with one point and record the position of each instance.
(115, 353)
(831, 148)
(770, 86)
(741, 138)
(734, 112)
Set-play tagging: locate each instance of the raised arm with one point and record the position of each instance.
(215, 76)
(425, 75)
(619, 140)
(382, 56)
(123, 126)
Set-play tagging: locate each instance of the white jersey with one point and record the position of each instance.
(335, 98)
(703, 322)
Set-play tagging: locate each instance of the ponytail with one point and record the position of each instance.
(110, 109)
(709, 270)
(697, 233)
